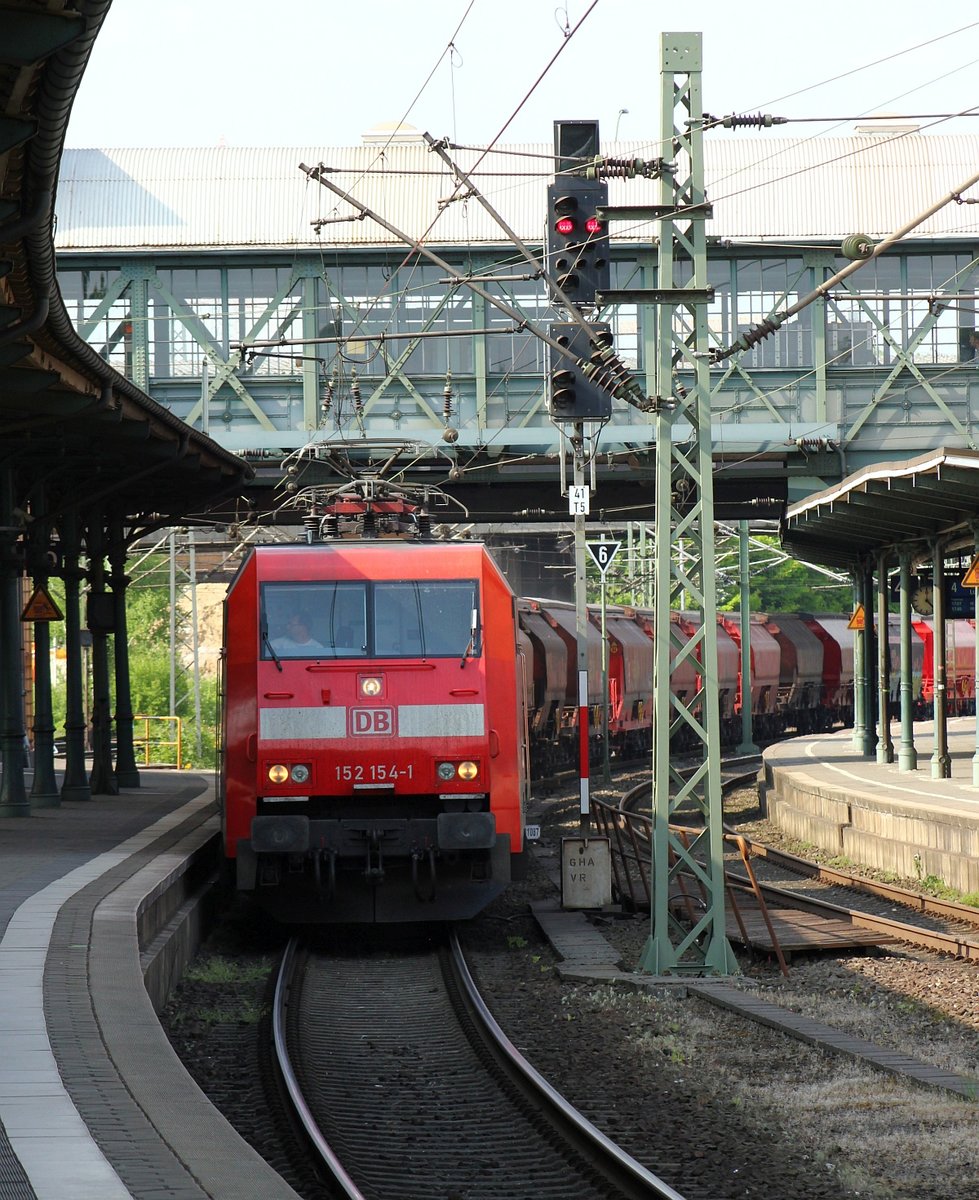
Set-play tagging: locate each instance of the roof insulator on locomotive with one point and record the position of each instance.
(331, 525)
(369, 524)
(311, 527)
(424, 523)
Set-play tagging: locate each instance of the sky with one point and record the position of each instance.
(310, 73)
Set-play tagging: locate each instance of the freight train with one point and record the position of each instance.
(801, 677)
(386, 702)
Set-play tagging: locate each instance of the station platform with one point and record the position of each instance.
(820, 789)
(94, 1103)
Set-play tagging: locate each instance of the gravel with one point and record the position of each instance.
(717, 1107)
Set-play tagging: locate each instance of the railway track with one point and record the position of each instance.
(943, 926)
(407, 1087)
(789, 881)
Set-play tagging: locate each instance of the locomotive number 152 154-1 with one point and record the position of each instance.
(371, 772)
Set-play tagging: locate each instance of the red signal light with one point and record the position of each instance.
(594, 225)
(564, 226)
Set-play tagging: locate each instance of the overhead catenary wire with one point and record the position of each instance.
(318, 173)
(867, 66)
(932, 40)
(630, 392)
(770, 324)
(417, 244)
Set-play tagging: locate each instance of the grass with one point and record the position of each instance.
(232, 991)
(246, 1012)
(218, 970)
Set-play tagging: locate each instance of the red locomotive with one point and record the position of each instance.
(374, 727)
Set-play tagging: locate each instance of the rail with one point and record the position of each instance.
(466, 1079)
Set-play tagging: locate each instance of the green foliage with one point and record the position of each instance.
(776, 583)
(148, 630)
(148, 619)
(149, 671)
(794, 587)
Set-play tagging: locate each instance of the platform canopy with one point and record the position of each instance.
(74, 430)
(907, 504)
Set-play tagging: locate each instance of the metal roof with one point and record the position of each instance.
(910, 504)
(763, 190)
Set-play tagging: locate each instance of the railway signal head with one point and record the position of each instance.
(577, 240)
(572, 394)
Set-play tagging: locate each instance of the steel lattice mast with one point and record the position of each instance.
(685, 511)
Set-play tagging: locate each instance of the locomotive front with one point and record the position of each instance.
(373, 760)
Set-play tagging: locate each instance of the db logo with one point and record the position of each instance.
(372, 720)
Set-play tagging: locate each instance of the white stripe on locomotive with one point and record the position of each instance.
(330, 724)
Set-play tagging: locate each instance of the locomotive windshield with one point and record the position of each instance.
(314, 620)
(436, 619)
(339, 619)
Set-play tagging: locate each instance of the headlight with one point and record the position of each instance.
(468, 770)
(446, 771)
(278, 773)
(370, 685)
(299, 773)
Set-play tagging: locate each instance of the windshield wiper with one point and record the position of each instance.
(268, 642)
(473, 643)
(465, 654)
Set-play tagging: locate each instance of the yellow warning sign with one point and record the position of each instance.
(857, 621)
(971, 577)
(41, 607)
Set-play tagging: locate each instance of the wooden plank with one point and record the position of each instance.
(799, 931)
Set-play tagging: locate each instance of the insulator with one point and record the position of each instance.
(326, 403)
(759, 333)
(608, 371)
(355, 393)
(370, 526)
(331, 525)
(624, 168)
(424, 525)
(857, 246)
(752, 121)
(311, 524)
(447, 398)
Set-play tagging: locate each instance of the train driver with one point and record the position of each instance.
(298, 640)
